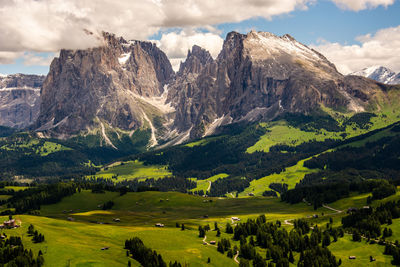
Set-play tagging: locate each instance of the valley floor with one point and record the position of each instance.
(76, 231)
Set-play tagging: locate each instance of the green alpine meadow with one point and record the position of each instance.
(172, 133)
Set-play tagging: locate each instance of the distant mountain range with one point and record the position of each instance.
(19, 99)
(123, 87)
(380, 74)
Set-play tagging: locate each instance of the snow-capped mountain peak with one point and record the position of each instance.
(380, 74)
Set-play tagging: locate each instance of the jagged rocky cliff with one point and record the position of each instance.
(115, 84)
(258, 76)
(19, 99)
(129, 85)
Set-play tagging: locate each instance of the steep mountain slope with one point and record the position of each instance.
(117, 85)
(125, 86)
(380, 74)
(19, 99)
(258, 76)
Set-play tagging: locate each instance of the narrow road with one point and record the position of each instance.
(209, 186)
(287, 222)
(330, 208)
(236, 256)
(208, 244)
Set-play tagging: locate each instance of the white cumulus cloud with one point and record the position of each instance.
(50, 25)
(357, 5)
(177, 44)
(381, 48)
(36, 59)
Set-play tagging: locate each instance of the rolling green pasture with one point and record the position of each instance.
(281, 133)
(362, 250)
(204, 184)
(79, 244)
(133, 170)
(203, 141)
(39, 147)
(147, 208)
(290, 176)
(16, 188)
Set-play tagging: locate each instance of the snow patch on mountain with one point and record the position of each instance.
(124, 58)
(380, 74)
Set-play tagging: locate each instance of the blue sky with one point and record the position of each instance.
(322, 20)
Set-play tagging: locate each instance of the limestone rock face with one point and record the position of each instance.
(130, 85)
(19, 99)
(258, 76)
(111, 84)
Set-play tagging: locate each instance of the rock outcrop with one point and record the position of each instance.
(19, 99)
(115, 84)
(130, 85)
(258, 76)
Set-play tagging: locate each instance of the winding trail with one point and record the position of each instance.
(209, 186)
(236, 256)
(206, 243)
(287, 222)
(330, 208)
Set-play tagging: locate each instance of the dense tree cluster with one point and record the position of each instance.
(279, 187)
(394, 250)
(108, 205)
(317, 191)
(36, 236)
(146, 256)
(32, 198)
(13, 254)
(223, 186)
(381, 156)
(368, 221)
(227, 154)
(280, 244)
(179, 184)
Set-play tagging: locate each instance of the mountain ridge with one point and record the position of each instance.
(124, 86)
(380, 74)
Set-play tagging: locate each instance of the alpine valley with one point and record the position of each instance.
(114, 158)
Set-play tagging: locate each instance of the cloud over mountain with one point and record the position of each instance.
(381, 48)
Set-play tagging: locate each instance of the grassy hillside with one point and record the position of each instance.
(207, 183)
(147, 208)
(79, 242)
(132, 170)
(290, 176)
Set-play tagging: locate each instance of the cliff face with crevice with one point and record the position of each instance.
(258, 76)
(107, 84)
(130, 85)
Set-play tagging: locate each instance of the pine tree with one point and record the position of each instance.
(326, 241)
(202, 233)
(229, 229)
(220, 247)
(291, 258)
